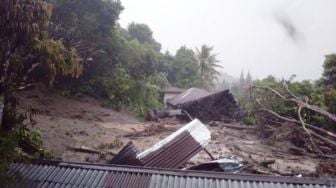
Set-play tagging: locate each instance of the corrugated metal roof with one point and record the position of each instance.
(178, 147)
(189, 95)
(62, 174)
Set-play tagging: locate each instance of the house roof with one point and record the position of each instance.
(188, 95)
(173, 90)
(64, 174)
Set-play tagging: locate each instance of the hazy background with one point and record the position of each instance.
(278, 37)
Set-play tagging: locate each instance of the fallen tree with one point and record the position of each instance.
(300, 103)
(314, 133)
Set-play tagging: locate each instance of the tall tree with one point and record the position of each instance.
(208, 64)
(241, 80)
(248, 80)
(88, 26)
(184, 69)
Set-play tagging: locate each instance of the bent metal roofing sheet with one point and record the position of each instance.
(196, 130)
(63, 174)
(171, 152)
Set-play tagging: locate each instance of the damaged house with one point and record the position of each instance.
(199, 103)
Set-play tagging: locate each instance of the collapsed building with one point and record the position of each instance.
(198, 103)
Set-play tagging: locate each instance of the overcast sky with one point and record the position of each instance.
(278, 37)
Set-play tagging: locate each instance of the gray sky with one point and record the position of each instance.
(278, 37)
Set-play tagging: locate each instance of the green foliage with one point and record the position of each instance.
(143, 96)
(329, 82)
(59, 61)
(140, 59)
(184, 70)
(250, 120)
(25, 47)
(13, 146)
(304, 89)
(93, 19)
(114, 87)
(143, 34)
(87, 26)
(330, 99)
(9, 151)
(329, 70)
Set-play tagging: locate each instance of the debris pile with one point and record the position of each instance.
(220, 106)
(303, 143)
(308, 139)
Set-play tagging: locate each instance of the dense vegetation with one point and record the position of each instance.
(123, 66)
(77, 47)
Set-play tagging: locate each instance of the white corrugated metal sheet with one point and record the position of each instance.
(195, 128)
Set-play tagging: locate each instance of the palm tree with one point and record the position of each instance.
(208, 64)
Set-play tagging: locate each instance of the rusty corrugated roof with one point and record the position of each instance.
(63, 174)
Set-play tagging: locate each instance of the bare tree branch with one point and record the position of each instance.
(300, 103)
(311, 132)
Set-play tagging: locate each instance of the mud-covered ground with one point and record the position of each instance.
(67, 123)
